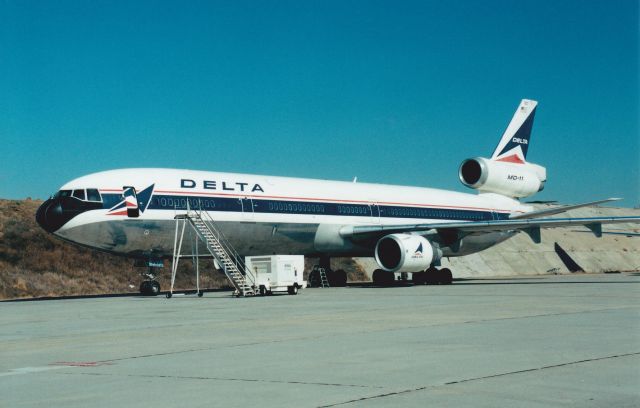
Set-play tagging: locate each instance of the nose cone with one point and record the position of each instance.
(50, 215)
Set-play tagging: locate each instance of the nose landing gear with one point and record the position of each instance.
(150, 286)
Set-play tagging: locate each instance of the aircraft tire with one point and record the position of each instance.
(419, 278)
(155, 288)
(432, 276)
(200, 294)
(149, 288)
(339, 278)
(263, 290)
(446, 277)
(382, 278)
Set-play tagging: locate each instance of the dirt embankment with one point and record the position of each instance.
(34, 263)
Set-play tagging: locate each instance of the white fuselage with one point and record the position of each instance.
(263, 214)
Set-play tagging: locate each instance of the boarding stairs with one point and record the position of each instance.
(219, 247)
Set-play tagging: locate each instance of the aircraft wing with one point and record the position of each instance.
(559, 209)
(531, 226)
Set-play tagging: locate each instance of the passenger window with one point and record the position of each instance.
(79, 194)
(93, 194)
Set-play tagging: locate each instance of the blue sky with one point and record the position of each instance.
(391, 92)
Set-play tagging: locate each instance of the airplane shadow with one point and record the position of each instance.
(501, 281)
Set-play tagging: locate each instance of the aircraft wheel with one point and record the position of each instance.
(263, 290)
(149, 288)
(419, 278)
(446, 277)
(339, 278)
(376, 277)
(432, 276)
(200, 294)
(155, 288)
(382, 278)
(168, 295)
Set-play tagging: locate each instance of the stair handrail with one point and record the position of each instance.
(209, 223)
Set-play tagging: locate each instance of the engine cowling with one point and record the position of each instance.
(510, 179)
(405, 253)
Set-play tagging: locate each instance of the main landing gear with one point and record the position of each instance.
(335, 279)
(431, 276)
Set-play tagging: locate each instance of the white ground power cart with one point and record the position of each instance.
(277, 273)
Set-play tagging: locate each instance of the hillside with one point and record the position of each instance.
(34, 263)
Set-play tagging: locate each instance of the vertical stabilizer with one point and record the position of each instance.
(515, 140)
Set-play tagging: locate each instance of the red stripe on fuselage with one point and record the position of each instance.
(182, 193)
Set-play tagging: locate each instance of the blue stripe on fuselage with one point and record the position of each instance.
(226, 204)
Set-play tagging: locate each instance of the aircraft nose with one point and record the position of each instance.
(50, 215)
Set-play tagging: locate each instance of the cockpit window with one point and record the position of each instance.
(79, 194)
(63, 193)
(93, 194)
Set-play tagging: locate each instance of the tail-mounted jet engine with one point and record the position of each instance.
(510, 179)
(405, 253)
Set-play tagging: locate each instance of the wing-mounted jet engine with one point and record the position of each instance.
(406, 253)
(507, 172)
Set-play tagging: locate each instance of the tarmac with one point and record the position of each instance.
(566, 340)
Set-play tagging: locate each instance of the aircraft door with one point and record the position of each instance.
(375, 212)
(247, 208)
(131, 201)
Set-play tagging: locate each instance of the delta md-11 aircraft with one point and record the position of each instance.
(132, 212)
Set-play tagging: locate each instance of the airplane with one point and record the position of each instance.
(132, 212)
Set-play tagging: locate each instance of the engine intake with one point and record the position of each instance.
(509, 179)
(405, 253)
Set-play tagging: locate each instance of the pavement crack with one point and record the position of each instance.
(332, 335)
(255, 380)
(466, 380)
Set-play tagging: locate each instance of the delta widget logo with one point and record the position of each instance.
(132, 200)
(418, 252)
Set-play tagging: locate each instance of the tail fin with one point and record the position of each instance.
(515, 140)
